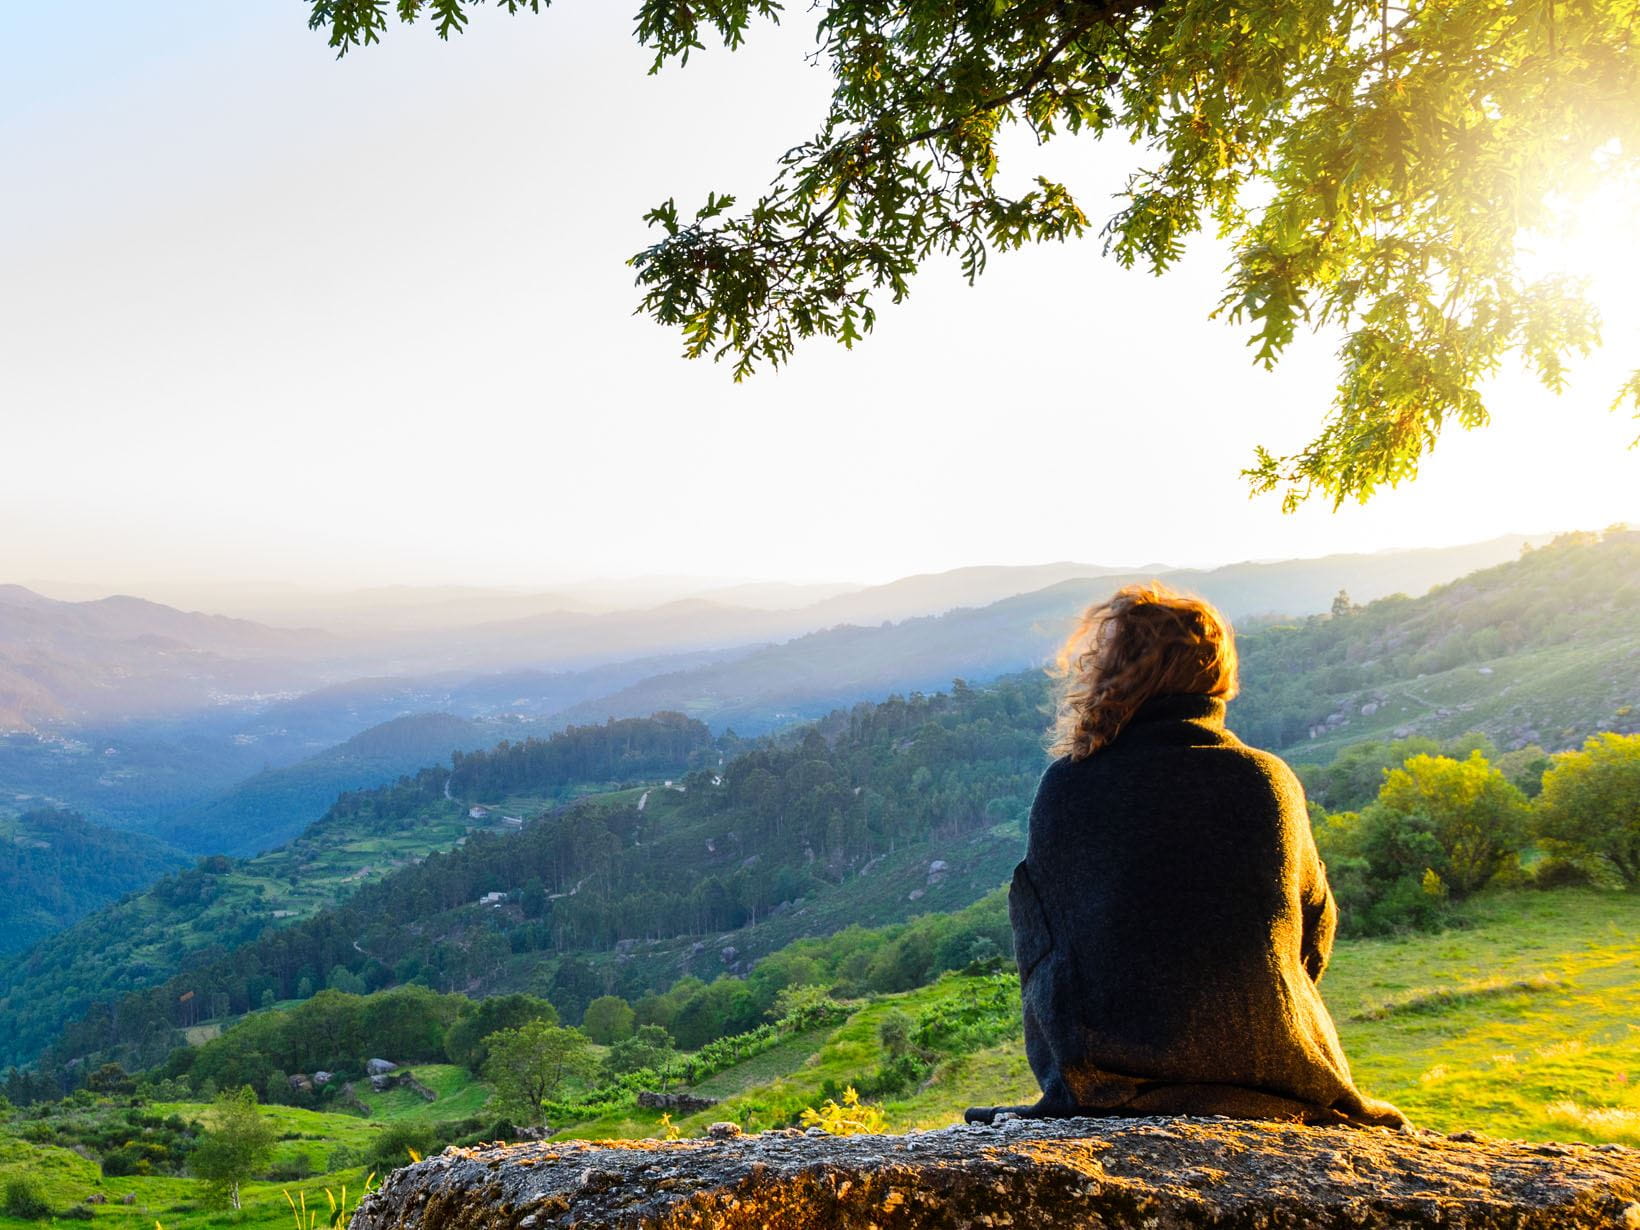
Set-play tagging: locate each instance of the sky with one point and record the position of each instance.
(268, 317)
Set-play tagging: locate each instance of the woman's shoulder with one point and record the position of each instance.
(1266, 772)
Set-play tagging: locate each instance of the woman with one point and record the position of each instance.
(1171, 918)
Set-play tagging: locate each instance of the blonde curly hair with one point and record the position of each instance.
(1143, 641)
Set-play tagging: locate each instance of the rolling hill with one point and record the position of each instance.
(55, 868)
(810, 675)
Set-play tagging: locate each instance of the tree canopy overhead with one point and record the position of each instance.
(1374, 165)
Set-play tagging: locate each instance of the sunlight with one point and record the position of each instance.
(1594, 240)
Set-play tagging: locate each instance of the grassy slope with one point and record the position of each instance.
(1559, 692)
(1497, 1062)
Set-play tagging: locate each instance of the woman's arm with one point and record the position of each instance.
(1318, 909)
(1320, 917)
(1032, 938)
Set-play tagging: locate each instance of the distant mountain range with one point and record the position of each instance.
(220, 733)
(119, 657)
(809, 675)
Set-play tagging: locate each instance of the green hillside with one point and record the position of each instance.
(222, 904)
(56, 867)
(1520, 1024)
(1545, 650)
(631, 879)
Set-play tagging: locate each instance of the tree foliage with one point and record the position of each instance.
(528, 1065)
(608, 1019)
(467, 1041)
(1591, 802)
(236, 1144)
(1475, 815)
(1375, 166)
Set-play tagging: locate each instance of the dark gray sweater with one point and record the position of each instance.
(1171, 921)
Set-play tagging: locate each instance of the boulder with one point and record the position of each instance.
(1158, 1174)
(685, 1103)
(379, 1067)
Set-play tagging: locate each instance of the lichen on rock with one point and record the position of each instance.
(1110, 1174)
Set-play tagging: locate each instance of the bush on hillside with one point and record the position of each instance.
(393, 1146)
(24, 1198)
(1590, 805)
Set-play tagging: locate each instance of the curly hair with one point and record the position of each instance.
(1143, 641)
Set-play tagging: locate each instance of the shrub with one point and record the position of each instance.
(299, 1167)
(24, 1198)
(393, 1147)
(1557, 872)
(850, 1117)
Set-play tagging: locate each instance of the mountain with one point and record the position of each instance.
(1544, 650)
(810, 675)
(273, 807)
(55, 868)
(864, 802)
(176, 776)
(78, 661)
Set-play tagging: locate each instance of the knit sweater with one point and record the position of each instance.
(1172, 921)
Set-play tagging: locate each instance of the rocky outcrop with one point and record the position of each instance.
(1155, 1174)
(683, 1103)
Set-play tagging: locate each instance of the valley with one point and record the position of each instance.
(811, 904)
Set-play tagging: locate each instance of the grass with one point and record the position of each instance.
(1499, 1061)
(460, 1096)
(1435, 999)
(67, 1179)
(760, 1069)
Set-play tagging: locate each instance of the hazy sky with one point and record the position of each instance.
(269, 316)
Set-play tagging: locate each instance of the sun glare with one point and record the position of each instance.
(1594, 239)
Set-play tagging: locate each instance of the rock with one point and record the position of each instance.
(129, 1198)
(322, 1077)
(1163, 1174)
(378, 1067)
(96, 1198)
(937, 870)
(686, 1103)
(723, 1130)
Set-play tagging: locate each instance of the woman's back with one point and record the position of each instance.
(1176, 871)
(1171, 917)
